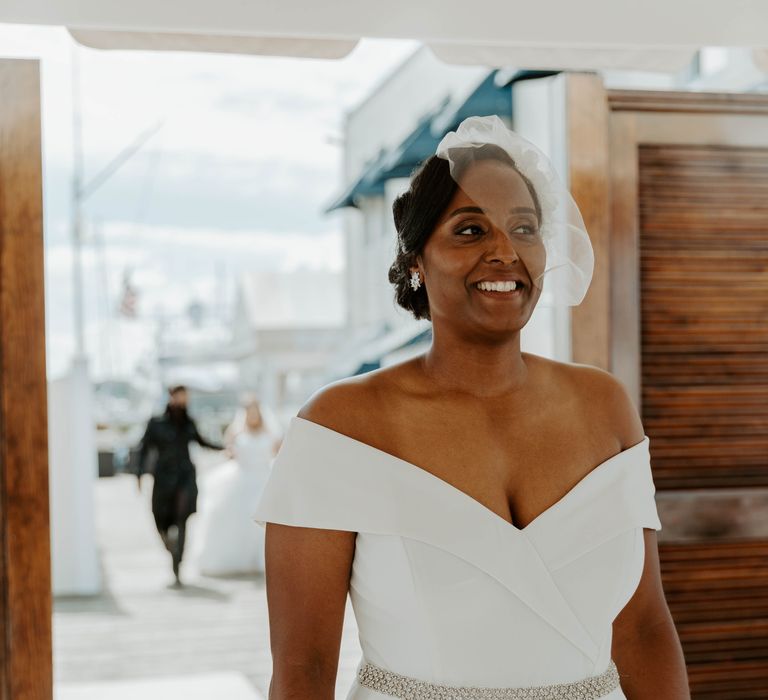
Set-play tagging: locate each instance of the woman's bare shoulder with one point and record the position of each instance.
(581, 378)
(347, 405)
(609, 398)
(600, 397)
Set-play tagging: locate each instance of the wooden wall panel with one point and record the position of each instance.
(686, 317)
(703, 252)
(704, 308)
(689, 283)
(718, 595)
(25, 585)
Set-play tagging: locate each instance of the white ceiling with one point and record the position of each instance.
(549, 34)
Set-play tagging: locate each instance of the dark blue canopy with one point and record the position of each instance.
(487, 98)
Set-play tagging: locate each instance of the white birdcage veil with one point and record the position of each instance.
(562, 252)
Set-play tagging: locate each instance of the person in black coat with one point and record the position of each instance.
(174, 494)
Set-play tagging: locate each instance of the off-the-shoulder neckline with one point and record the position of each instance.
(589, 477)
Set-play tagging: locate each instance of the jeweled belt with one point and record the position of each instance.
(393, 684)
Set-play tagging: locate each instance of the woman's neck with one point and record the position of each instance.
(480, 370)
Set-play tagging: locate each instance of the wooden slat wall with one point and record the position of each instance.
(703, 251)
(718, 596)
(704, 310)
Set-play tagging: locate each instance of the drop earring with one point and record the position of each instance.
(415, 280)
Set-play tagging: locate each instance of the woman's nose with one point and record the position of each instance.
(501, 246)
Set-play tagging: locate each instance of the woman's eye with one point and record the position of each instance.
(474, 229)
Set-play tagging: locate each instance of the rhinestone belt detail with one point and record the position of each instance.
(407, 688)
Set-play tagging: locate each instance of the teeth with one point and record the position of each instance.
(498, 286)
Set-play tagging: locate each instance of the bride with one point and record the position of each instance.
(489, 512)
(226, 540)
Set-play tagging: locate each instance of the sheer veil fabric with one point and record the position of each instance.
(557, 251)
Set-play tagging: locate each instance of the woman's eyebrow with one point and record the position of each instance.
(522, 210)
(466, 210)
(478, 210)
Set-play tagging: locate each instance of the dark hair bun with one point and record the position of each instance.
(416, 213)
(399, 208)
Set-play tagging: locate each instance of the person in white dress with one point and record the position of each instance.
(490, 512)
(226, 542)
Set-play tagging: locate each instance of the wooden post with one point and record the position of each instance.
(587, 144)
(25, 578)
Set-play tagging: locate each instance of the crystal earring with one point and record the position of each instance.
(415, 280)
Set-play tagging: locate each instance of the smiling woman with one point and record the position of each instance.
(485, 509)
(485, 179)
(455, 259)
(421, 209)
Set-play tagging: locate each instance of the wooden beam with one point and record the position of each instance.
(25, 579)
(588, 177)
(626, 340)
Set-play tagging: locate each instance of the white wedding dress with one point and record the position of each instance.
(447, 591)
(226, 542)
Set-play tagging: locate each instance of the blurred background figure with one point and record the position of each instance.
(174, 494)
(228, 541)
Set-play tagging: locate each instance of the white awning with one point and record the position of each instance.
(557, 57)
(656, 35)
(263, 45)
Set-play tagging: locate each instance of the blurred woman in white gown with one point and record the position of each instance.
(227, 540)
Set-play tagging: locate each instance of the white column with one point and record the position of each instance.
(73, 470)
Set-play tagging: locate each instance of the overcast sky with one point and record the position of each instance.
(235, 179)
